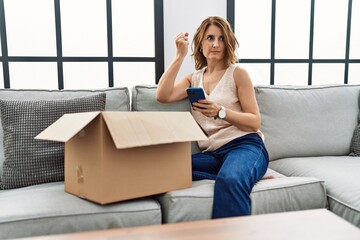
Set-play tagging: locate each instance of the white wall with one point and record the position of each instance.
(186, 16)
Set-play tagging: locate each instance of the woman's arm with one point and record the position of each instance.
(249, 119)
(168, 90)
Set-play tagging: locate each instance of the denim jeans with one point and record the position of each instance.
(235, 167)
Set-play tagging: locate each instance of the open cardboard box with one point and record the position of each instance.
(115, 156)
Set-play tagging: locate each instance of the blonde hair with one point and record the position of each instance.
(231, 44)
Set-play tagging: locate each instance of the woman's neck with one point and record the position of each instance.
(215, 66)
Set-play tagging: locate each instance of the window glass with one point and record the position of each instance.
(258, 72)
(253, 28)
(354, 73)
(33, 75)
(355, 31)
(84, 28)
(330, 28)
(89, 75)
(291, 74)
(133, 28)
(128, 74)
(30, 32)
(292, 39)
(292, 29)
(328, 73)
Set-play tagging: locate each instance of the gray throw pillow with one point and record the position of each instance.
(355, 143)
(29, 161)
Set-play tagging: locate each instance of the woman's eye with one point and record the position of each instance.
(209, 38)
(221, 38)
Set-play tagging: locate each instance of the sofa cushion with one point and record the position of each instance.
(117, 99)
(277, 194)
(29, 161)
(144, 99)
(308, 121)
(46, 209)
(355, 141)
(340, 174)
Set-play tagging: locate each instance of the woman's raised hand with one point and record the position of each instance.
(182, 43)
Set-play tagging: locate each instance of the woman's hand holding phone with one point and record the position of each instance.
(197, 97)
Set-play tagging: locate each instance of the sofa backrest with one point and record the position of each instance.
(296, 121)
(308, 121)
(143, 98)
(117, 99)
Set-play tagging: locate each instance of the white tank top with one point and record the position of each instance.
(218, 131)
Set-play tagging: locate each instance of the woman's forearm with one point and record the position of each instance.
(167, 80)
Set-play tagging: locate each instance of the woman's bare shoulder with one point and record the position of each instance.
(241, 76)
(240, 71)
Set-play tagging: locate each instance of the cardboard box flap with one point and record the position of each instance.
(136, 129)
(67, 126)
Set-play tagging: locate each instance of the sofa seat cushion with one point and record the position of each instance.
(340, 174)
(275, 194)
(46, 209)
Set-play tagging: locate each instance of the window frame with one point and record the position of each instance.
(158, 59)
(310, 60)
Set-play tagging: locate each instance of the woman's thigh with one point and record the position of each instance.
(205, 166)
(249, 160)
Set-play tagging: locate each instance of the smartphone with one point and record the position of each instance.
(195, 94)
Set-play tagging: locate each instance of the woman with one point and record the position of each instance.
(234, 154)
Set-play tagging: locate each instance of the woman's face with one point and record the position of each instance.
(213, 45)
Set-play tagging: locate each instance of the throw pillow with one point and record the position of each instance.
(355, 142)
(29, 161)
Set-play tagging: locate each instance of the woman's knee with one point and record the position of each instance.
(234, 182)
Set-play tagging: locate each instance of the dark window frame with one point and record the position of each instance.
(310, 61)
(110, 59)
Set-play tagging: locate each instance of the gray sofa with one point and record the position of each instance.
(308, 133)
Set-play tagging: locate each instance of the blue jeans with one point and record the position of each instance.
(235, 167)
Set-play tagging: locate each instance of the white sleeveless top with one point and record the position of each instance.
(218, 131)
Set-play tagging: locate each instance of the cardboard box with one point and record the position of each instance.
(115, 156)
